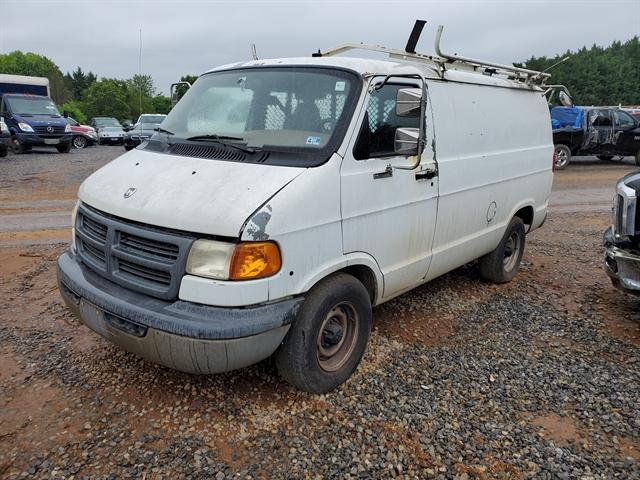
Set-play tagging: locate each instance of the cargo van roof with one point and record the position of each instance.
(368, 67)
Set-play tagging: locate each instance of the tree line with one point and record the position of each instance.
(82, 95)
(598, 75)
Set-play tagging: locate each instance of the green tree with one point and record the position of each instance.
(79, 81)
(32, 64)
(597, 75)
(161, 104)
(107, 98)
(74, 109)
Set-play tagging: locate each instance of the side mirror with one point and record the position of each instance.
(406, 141)
(409, 102)
(65, 114)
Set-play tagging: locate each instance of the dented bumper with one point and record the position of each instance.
(622, 266)
(181, 335)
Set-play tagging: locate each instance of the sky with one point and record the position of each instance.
(193, 36)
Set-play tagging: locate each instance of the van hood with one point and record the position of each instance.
(190, 194)
(42, 120)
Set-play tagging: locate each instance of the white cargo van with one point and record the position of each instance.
(282, 199)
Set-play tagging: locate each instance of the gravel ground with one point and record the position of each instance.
(539, 378)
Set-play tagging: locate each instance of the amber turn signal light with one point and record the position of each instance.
(253, 260)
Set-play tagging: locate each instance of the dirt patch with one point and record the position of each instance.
(561, 430)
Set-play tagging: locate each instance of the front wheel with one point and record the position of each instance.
(3, 151)
(128, 147)
(501, 265)
(328, 339)
(17, 147)
(79, 142)
(562, 156)
(64, 148)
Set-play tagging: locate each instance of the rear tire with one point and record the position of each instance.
(501, 265)
(328, 338)
(64, 148)
(562, 156)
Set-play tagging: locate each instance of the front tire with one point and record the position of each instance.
(79, 142)
(328, 339)
(3, 151)
(64, 148)
(501, 265)
(562, 156)
(128, 147)
(17, 147)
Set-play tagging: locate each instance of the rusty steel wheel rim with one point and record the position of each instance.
(337, 337)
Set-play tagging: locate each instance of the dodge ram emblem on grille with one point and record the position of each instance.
(130, 191)
(50, 129)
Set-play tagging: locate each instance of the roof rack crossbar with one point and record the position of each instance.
(441, 61)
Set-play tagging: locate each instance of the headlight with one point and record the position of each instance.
(25, 127)
(3, 127)
(228, 261)
(67, 129)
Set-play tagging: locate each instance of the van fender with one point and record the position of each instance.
(526, 203)
(347, 260)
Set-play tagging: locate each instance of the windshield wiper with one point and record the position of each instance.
(221, 140)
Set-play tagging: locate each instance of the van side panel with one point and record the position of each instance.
(499, 154)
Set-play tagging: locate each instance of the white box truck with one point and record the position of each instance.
(282, 199)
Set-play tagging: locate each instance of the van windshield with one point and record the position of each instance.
(287, 109)
(32, 106)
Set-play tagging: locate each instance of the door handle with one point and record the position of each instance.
(388, 172)
(426, 174)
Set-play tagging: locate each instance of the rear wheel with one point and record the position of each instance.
(79, 142)
(327, 340)
(501, 265)
(64, 148)
(562, 156)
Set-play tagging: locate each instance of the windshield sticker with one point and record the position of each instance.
(313, 140)
(340, 86)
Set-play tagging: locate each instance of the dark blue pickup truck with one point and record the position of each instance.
(31, 116)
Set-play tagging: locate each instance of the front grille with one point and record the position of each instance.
(143, 258)
(57, 130)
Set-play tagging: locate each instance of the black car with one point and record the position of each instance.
(600, 131)
(141, 132)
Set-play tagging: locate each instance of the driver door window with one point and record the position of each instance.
(377, 133)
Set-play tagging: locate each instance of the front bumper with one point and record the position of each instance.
(181, 335)
(34, 140)
(111, 139)
(622, 266)
(133, 142)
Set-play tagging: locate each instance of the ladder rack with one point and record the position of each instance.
(443, 61)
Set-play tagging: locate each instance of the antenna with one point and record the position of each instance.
(140, 73)
(254, 55)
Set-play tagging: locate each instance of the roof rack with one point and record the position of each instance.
(443, 61)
